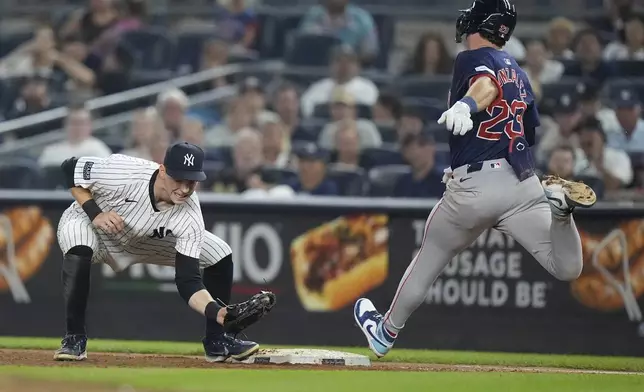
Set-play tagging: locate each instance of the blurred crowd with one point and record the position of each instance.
(345, 134)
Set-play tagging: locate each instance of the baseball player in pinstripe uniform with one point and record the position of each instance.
(129, 210)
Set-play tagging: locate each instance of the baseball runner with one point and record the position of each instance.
(130, 210)
(492, 118)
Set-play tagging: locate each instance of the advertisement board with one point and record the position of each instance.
(319, 258)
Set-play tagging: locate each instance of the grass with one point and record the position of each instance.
(396, 355)
(219, 380)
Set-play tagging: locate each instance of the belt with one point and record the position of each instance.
(474, 167)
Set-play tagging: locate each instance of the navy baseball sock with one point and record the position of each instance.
(218, 280)
(77, 265)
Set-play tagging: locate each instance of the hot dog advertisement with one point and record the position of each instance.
(613, 274)
(25, 238)
(337, 262)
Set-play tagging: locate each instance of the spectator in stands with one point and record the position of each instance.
(630, 134)
(345, 71)
(238, 23)
(158, 144)
(559, 39)
(562, 163)
(387, 110)
(252, 93)
(215, 54)
(343, 108)
(610, 165)
(237, 118)
(541, 69)
(192, 132)
(132, 17)
(172, 105)
(592, 107)
(114, 71)
(589, 62)
(347, 153)
(276, 152)
(633, 46)
(611, 25)
(424, 180)
(80, 141)
(430, 57)
(144, 126)
(567, 115)
(411, 123)
(287, 107)
(312, 179)
(353, 25)
(91, 22)
(247, 160)
(34, 98)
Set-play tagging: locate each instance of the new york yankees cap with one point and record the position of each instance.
(184, 161)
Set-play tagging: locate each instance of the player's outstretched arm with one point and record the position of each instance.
(481, 94)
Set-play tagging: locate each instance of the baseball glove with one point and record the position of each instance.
(244, 314)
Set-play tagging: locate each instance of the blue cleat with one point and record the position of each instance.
(371, 324)
(72, 348)
(220, 348)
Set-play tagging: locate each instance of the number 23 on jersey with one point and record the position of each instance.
(500, 113)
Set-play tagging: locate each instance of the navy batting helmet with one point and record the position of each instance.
(493, 19)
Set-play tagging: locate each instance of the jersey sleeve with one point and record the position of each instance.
(98, 175)
(190, 236)
(469, 66)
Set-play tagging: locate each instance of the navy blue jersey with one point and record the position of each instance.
(508, 116)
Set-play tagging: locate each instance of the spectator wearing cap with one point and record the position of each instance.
(411, 123)
(567, 114)
(561, 163)
(387, 110)
(559, 38)
(353, 25)
(247, 160)
(610, 165)
(172, 106)
(343, 108)
(539, 66)
(144, 126)
(276, 152)
(311, 170)
(589, 62)
(630, 135)
(424, 181)
(633, 46)
(345, 72)
(237, 117)
(592, 107)
(80, 142)
(34, 98)
(252, 92)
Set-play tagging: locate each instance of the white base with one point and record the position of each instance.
(307, 357)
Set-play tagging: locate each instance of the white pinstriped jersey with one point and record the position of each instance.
(122, 184)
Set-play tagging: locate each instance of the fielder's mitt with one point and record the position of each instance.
(244, 314)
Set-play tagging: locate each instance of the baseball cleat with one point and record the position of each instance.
(73, 348)
(370, 323)
(564, 195)
(220, 348)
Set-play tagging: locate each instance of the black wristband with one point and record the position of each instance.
(212, 309)
(91, 209)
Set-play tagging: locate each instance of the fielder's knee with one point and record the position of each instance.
(81, 251)
(568, 271)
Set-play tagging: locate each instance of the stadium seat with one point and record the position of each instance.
(190, 44)
(52, 178)
(20, 173)
(388, 133)
(276, 175)
(430, 108)
(153, 49)
(276, 28)
(324, 111)
(382, 179)
(351, 182)
(311, 50)
(9, 42)
(385, 26)
(424, 87)
(629, 68)
(219, 155)
(387, 154)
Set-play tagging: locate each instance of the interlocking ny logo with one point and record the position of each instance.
(161, 232)
(189, 160)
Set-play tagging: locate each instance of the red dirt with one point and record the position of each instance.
(103, 360)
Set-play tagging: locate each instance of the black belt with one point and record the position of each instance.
(474, 167)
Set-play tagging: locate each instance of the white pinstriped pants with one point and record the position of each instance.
(75, 229)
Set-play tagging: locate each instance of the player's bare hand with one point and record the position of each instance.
(109, 221)
(457, 119)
